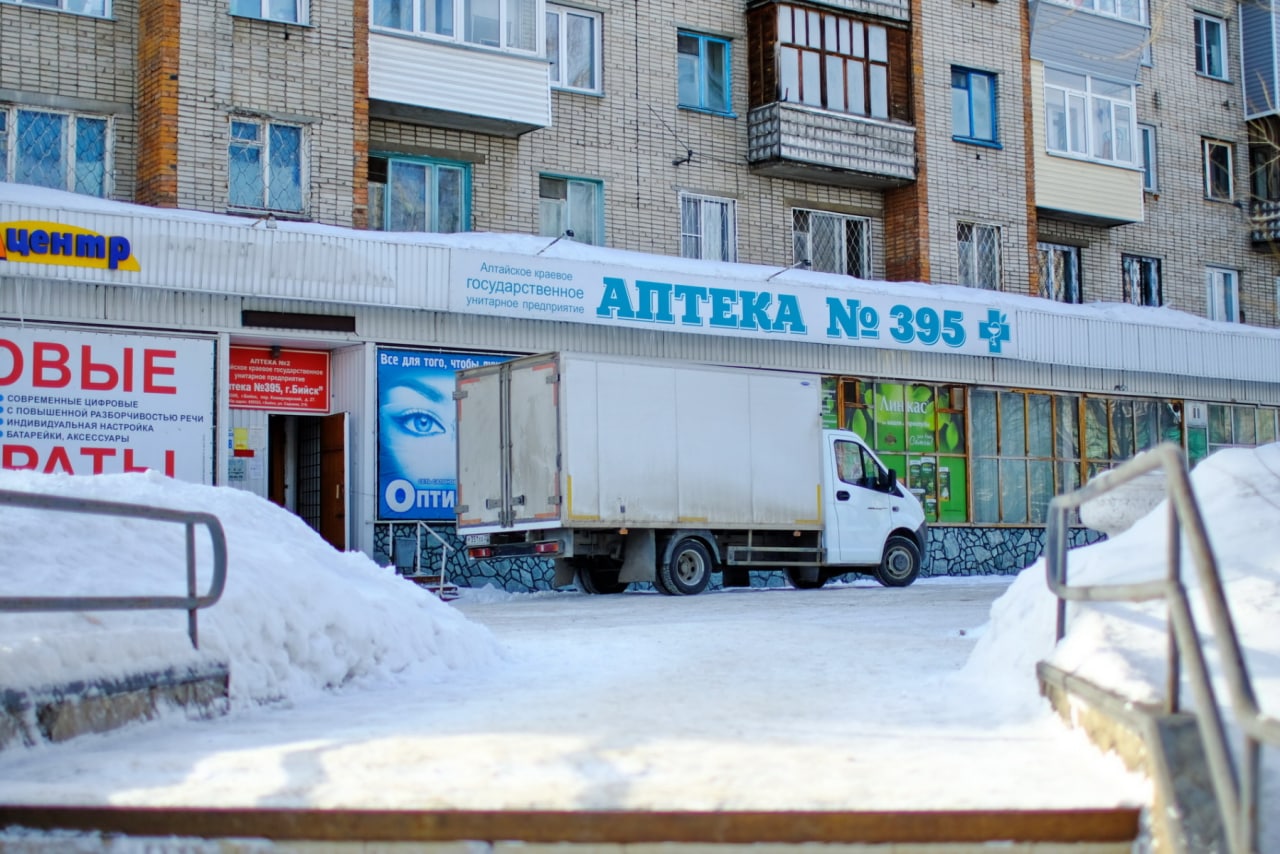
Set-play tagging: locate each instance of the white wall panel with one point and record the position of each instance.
(456, 79)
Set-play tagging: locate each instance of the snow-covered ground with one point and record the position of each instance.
(353, 687)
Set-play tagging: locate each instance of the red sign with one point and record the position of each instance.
(288, 381)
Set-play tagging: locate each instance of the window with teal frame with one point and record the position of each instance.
(419, 194)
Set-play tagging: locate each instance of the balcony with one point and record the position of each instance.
(1264, 221)
(786, 140)
(424, 81)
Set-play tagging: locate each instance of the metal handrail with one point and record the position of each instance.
(189, 518)
(1237, 796)
(445, 548)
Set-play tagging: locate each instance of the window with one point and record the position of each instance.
(1141, 280)
(708, 228)
(1089, 117)
(1218, 183)
(571, 205)
(831, 61)
(1211, 47)
(918, 431)
(973, 106)
(62, 151)
(1222, 292)
(289, 11)
(265, 166)
(1148, 136)
(506, 24)
(979, 250)
(703, 72)
(1059, 272)
(97, 8)
(1240, 426)
(832, 243)
(1028, 446)
(1129, 10)
(573, 48)
(418, 194)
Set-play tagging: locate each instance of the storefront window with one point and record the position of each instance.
(1240, 426)
(918, 430)
(1026, 446)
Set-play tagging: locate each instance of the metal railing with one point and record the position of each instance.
(1236, 794)
(419, 527)
(189, 603)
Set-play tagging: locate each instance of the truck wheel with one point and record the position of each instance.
(688, 572)
(598, 581)
(806, 579)
(901, 563)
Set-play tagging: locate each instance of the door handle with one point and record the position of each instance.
(842, 495)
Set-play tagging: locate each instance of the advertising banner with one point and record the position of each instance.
(856, 314)
(417, 432)
(925, 445)
(99, 403)
(279, 380)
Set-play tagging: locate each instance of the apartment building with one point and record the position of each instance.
(319, 160)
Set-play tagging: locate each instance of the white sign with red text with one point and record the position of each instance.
(100, 403)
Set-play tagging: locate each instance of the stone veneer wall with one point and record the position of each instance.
(952, 551)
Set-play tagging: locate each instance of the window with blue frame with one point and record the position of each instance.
(419, 194)
(62, 151)
(265, 166)
(96, 8)
(703, 73)
(973, 106)
(289, 11)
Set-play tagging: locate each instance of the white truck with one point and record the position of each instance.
(623, 471)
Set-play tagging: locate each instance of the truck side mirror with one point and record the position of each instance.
(891, 481)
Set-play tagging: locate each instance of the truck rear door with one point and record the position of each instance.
(508, 444)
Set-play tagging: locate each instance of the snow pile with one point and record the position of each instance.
(297, 616)
(1122, 646)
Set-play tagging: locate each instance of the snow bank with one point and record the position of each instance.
(297, 616)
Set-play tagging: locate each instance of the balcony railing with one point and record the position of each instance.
(787, 140)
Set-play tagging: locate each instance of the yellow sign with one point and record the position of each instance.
(37, 242)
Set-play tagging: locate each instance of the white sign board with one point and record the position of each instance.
(587, 292)
(98, 403)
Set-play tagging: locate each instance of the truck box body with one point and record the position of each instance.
(605, 442)
(623, 470)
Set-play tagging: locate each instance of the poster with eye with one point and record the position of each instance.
(417, 432)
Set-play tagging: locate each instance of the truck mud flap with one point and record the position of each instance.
(641, 557)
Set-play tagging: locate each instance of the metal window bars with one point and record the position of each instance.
(1237, 793)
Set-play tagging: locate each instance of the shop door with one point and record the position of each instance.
(307, 464)
(333, 479)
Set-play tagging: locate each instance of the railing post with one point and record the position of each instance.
(1173, 676)
(192, 629)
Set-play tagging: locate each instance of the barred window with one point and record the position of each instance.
(708, 228)
(265, 164)
(979, 250)
(59, 150)
(832, 243)
(1142, 280)
(1059, 272)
